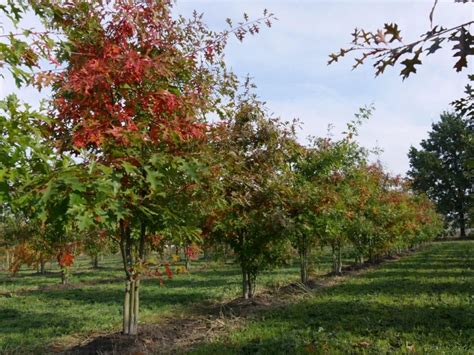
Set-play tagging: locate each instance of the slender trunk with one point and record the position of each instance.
(371, 253)
(303, 261)
(226, 252)
(462, 225)
(42, 266)
(7, 260)
(243, 265)
(126, 307)
(187, 260)
(130, 307)
(95, 261)
(131, 301)
(336, 259)
(304, 271)
(64, 276)
(251, 280)
(339, 260)
(245, 285)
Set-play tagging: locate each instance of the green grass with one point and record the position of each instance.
(423, 304)
(32, 319)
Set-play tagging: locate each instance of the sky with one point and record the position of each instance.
(288, 63)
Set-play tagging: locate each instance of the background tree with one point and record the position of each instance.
(441, 168)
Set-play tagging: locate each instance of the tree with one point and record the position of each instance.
(131, 89)
(317, 170)
(254, 176)
(441, 168)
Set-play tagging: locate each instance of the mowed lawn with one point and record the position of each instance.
(37, 314)
(422, 303)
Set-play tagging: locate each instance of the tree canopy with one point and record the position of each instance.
(441, 168)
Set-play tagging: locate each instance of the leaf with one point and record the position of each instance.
(464, 47)
(435, 45)
(129, 168)
(380, 37)
(153, 178)
(410, 64)
(392, 30)
(75, 199)
(84, 221)
(47, 192)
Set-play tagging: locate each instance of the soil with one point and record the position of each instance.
(161, 338)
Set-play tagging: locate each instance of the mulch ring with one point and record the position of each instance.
(162, 338)
(178, 335)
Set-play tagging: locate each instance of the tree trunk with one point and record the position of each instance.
(245, 284)
(7, 259)
(304, 271)
(251, 280)
(131, 302)
(187, 263)
(336, 260)
(64, 276)
(462, 225)
(303, 253)
(42, 266)
(131, 307)
(95, 261)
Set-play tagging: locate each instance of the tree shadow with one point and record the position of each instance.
(419, 299)
(21, 329)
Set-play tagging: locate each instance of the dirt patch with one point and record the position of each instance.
(179, 335)
(169, 337)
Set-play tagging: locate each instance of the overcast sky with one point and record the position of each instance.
(288, 64)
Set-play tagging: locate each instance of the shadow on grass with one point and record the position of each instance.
(14, 321)
(402, 303)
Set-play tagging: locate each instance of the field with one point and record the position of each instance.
(422, 303)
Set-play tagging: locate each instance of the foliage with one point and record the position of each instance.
(126, 153)
(441, 168)
(377, 45)
(253, 153)
(131, 88)
(465, 105)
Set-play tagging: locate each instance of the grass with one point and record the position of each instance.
(422, 303)
(34, 318)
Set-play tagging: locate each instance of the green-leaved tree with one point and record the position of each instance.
(441, 168)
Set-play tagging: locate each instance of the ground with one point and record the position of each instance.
(421, 303)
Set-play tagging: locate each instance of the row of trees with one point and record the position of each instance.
(124, 152)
